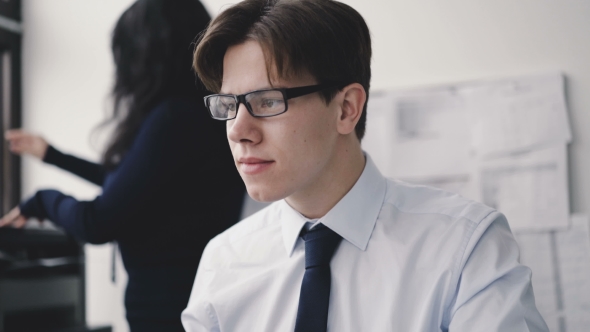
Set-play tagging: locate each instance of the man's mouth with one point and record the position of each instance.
(252, 165)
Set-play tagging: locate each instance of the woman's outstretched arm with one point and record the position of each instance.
(22, 142)
(153, 157)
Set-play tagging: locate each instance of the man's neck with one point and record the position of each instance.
(341, 175)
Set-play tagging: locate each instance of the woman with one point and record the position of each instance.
(168, 179)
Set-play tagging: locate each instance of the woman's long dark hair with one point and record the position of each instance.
(152, 46)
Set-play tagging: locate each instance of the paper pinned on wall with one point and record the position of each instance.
(516, 115)
(419, 133)
(531, 189)
(560, 262)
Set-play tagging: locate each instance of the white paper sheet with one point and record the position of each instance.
(531, 189)
(560, 262)
(419, 133)
(518, 114)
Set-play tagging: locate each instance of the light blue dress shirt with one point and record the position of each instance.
(413, 258)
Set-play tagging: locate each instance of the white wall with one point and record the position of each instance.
(67, 75)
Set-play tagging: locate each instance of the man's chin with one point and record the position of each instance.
(264, 194)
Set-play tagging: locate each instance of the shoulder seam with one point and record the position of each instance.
(459, 216)
(391, 183)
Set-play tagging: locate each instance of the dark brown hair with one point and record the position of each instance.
(152, 46)
(324, 38)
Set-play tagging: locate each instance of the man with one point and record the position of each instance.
(342, 248)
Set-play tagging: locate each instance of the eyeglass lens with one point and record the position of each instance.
(266, 103)
(261, 103)
(222, 107)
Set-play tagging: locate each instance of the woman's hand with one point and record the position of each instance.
(22, 142)
(13, 218)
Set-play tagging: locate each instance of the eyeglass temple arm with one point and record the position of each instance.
(304, 90)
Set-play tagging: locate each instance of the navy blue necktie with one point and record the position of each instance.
(314, 299)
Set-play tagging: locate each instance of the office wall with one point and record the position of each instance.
(67, 72)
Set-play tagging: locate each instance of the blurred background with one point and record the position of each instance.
(419, 49)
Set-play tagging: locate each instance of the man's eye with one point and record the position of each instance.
(229, 106)
(271, 103)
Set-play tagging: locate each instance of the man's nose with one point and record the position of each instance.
(244, 128)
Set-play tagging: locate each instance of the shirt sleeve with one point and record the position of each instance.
(494, 291)
(87, 170)
(200, 315)
(154, 155)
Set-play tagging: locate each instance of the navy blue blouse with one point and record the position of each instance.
(175, 189)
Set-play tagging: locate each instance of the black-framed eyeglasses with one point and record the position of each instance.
(259, 103)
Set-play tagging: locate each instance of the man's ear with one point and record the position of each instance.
(351, 107)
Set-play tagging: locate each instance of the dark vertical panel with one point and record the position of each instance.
(10, 107)
(10, 9)
(3, 105)
(14, 173)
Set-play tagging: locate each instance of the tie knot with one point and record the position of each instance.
(320, 244)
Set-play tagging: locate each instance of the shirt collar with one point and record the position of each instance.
(353, 217)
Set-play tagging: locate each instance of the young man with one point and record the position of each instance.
(342, 248)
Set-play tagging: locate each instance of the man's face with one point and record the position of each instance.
(288, 154)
